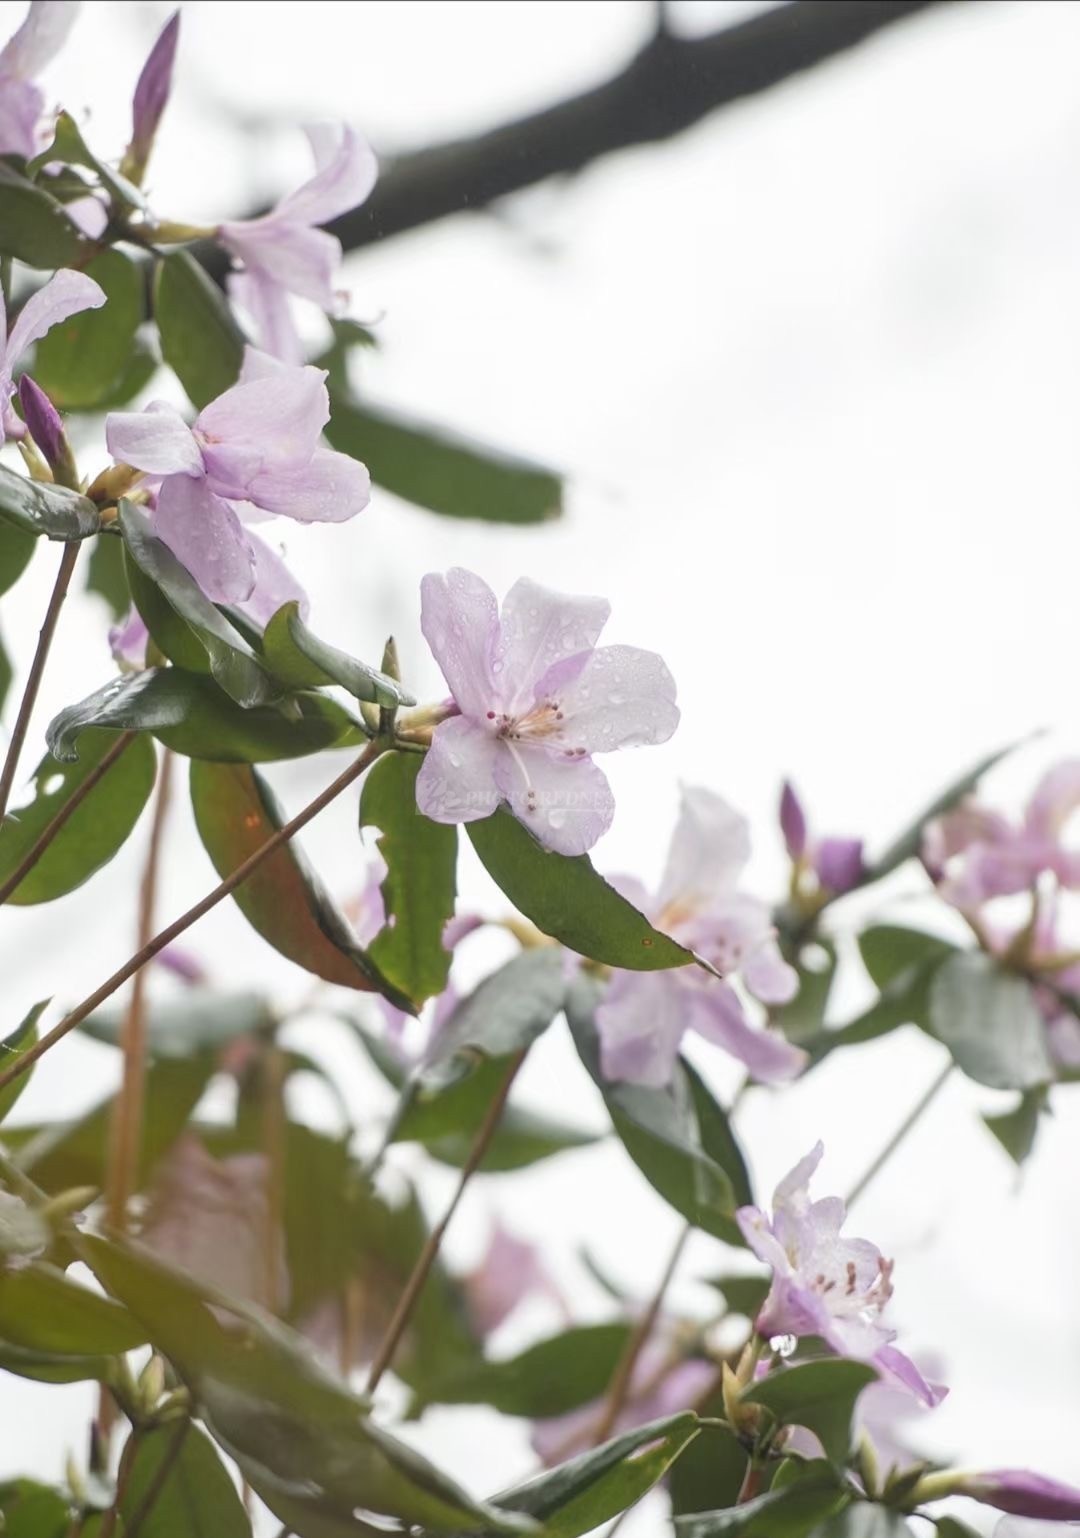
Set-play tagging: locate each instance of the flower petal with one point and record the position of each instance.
(268, 305)
(617, 697)
(22, 104)
(460, 621)
(330, 488)
(839, 863)
(566, 803)
(716, 1013)
(302, 260)
(792, 1193)
(641, 1023)
(274, 585)
(456, 782)
(269, 424)
(768, 976)
(156, 440)
(39, 39)
(538, 628)
(709, 850)
(205, 534)
(346, 173)
(1054, 800)
(900, 1369)
(65, 294)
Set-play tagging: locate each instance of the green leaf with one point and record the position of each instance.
(553, 1377)
(52, 1367)
(93, 833)
(42, 1310)
(39, 507)
(16, 548)
(743, 1294)
(200, 340)
(441, 471)
(191, 715)
(22, 1037)
(949, 1527)
(5, 673)
(70, 148)
(143, 362)
(36, 229)
(1017, 1129)
(194, 1021)
(183, 622)
(890, 950)
(268, 1403)
(907, 846)
(863, 1520)
(710, 1474)
(421, 879)
(578, 1496)
(502, 1016)
(30, 1510)
(106, 576)
(792, 1511)
(236, 813)
(804, 1017)
(178, 1487)
(676, 1135)
(818, 1395)
(990, 1022)
(904, 1000)
(82, 359)
(569, 900)
(300, 659)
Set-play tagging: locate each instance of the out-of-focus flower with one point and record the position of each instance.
(285, 252)
(836, 862)
(128, 640)
(150, 99)
(537, 698)
(24, 1233)
(1029, 1527)
(255, 450)
(510, 1271)
(23, 57)
(1022, 1494)
(644, 1015)
(885, 1412)
(65, 294)
(824, 1285)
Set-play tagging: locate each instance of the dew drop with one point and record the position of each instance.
(616, 699)
(455, 760)
(783, 1345)
(556, 817)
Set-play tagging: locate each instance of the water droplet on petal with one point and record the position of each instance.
(783, 1345)
(556, 817)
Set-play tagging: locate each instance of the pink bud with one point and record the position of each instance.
(43, 421)
(792, 821)
(152, 94)
(1023, 1494)
(839, 863)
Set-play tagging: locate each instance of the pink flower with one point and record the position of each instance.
(510, 1271)
(837, 862)
(255, 450)
(152, 95)
(65, 294)
(824, 1285)
(645, 1015)
(25, 55)
(286, 253)
(1023, 1494)
(536, 698)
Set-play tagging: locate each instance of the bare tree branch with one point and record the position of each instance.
(672, 83)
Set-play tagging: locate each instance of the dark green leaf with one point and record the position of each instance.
(236, 814)
(5, 673)
(186, 626)
(82, 359)
(578, 1496)
(804, 1017)
(31, 1510)
(299, 658)
(907, 846)
(663, 1132)
(890, 950)
(178, 1487)
(793, 1511)
(16, 548)
(35, 228)
(818, 1395)
(70, 148)
(990, 1022)
(93, 833)
(39, 507)
(42, 1310)
(551, 1378)
(200, 340)
(191, 715)
(949, 1527)
(504, 1015)
(52, 1367)
(709, 1475)
(12, 1047)
(144, 360)
(569, 900)
(1016, 1130)
(743, 1294)
(862, 1520)
(191, 1022)
(905, 1000)
(106, 576)
(438, 470)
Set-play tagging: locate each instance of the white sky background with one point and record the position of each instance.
(811, 368)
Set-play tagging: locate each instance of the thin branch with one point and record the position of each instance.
(414, 1286)
(909, 1121)
(27, 1059)
(69, 808)
(670, 84)
(37, 668)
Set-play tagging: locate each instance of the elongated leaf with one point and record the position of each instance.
(200, 340)
(299, 658)
(178, 1487)
(54, 1367)
(710, 1474)
(663, 1132)
(43, 1310)
(1016, 1130)
(5, 673)
(742, 1294)
(441, 471)
(194, 1021)
(504, 1015)
(890, 950)
(990, 1022)
(578, 1496)
(81, 360)
(191, 715)
(16, 548)
(863, 1520)
(264, 1398)
(421, 880)
(34, 228)
(568, 899)
(186, 626)
(93, 833)
(39, 507)
(550, 1378)
(803, 1018)
(904, 1000)
(22, 1037)
(793, 1511)
(818, 1395)
(29, 1510)
(907, 846)
(68, 147)
(283, 899)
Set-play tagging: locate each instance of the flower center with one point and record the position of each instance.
(544, 722)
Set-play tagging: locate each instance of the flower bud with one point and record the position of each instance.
(151, 96)
(47, 430)
(151, 1383)
(792, 822)
(1023, 1494)
(839, 863)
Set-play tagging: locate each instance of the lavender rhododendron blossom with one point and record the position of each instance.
(1023, 1494)
(536, 699)
(511, 1271)
(644, 1015)
(254, 450)
(284, 252)
(836, 862)
(825, 1285)
(66, 294)
(26, 53)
